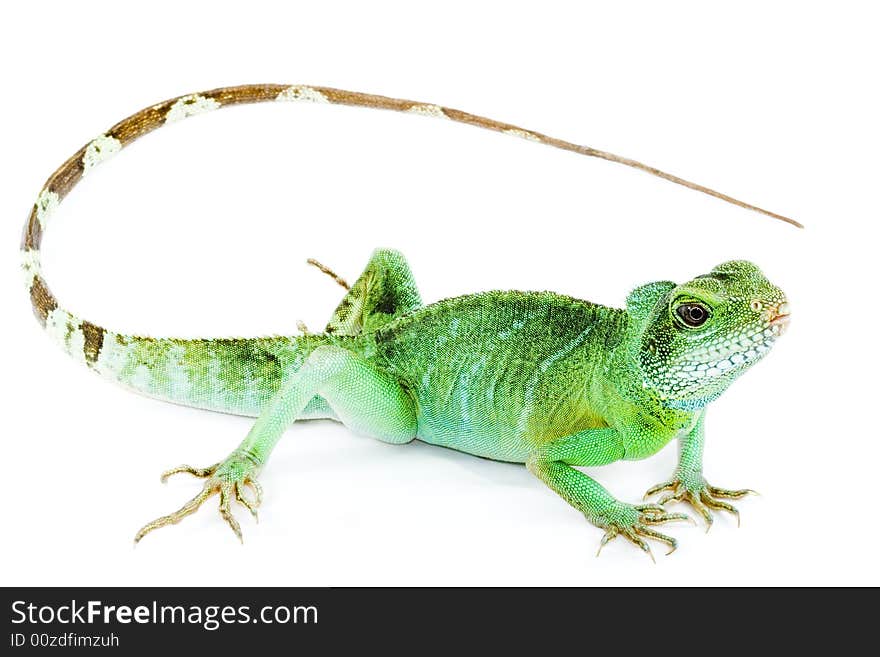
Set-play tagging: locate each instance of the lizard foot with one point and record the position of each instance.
(227, 479)
(633, 522)
(697, 492)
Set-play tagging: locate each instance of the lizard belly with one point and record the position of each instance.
(468, 406)
(489, 441)
(501, 413)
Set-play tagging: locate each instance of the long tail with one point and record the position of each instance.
(120, 356)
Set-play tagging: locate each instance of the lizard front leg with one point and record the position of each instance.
(552, 463)
(363, 397)
(689, 485)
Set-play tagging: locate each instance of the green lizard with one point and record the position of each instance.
(537, 378)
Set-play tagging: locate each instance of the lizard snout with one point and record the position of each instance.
(780, 316)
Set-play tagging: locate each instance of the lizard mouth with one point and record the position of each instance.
(780, 323)
(780, 316)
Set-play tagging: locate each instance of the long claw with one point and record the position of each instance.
(701, 508)
(226, 479)
(650, 508)
(246, 503)
(716, 504)
(227, 513)
(730, 494)
(201, 473)
(671, 497)
(258, 491)
(610, 535)
(669, 485)
(631, 535)
(647, 531)
(173, 518)
(694, 501)
(667, 517)
(701, 497)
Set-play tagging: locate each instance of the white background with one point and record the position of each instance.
(203, 228)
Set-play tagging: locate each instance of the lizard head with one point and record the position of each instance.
(695, 339)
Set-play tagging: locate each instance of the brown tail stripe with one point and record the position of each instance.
(42, 300)
(33, 232)
(94, 340)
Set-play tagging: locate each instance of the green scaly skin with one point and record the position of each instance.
(536, 378)
(527, 377)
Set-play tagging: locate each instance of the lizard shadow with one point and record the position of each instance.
(497, 472)
(290, 461)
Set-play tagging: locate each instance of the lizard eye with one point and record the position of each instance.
(693, 314)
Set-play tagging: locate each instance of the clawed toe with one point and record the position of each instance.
(258, 491)
(649, 514)
(668, 517)
(173, 518)
(226, 512)
(246, 503)
(730, 494)
(609, 535)
(201, 473)
(636, 535)
(706, 499)
(632, 535)
(650, 508)
(227, 483)
(694, 501)
(659, 488)
(657, 536)
(702, 498)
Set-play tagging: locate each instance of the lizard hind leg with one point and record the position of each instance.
(364, 397)
(384, 291)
